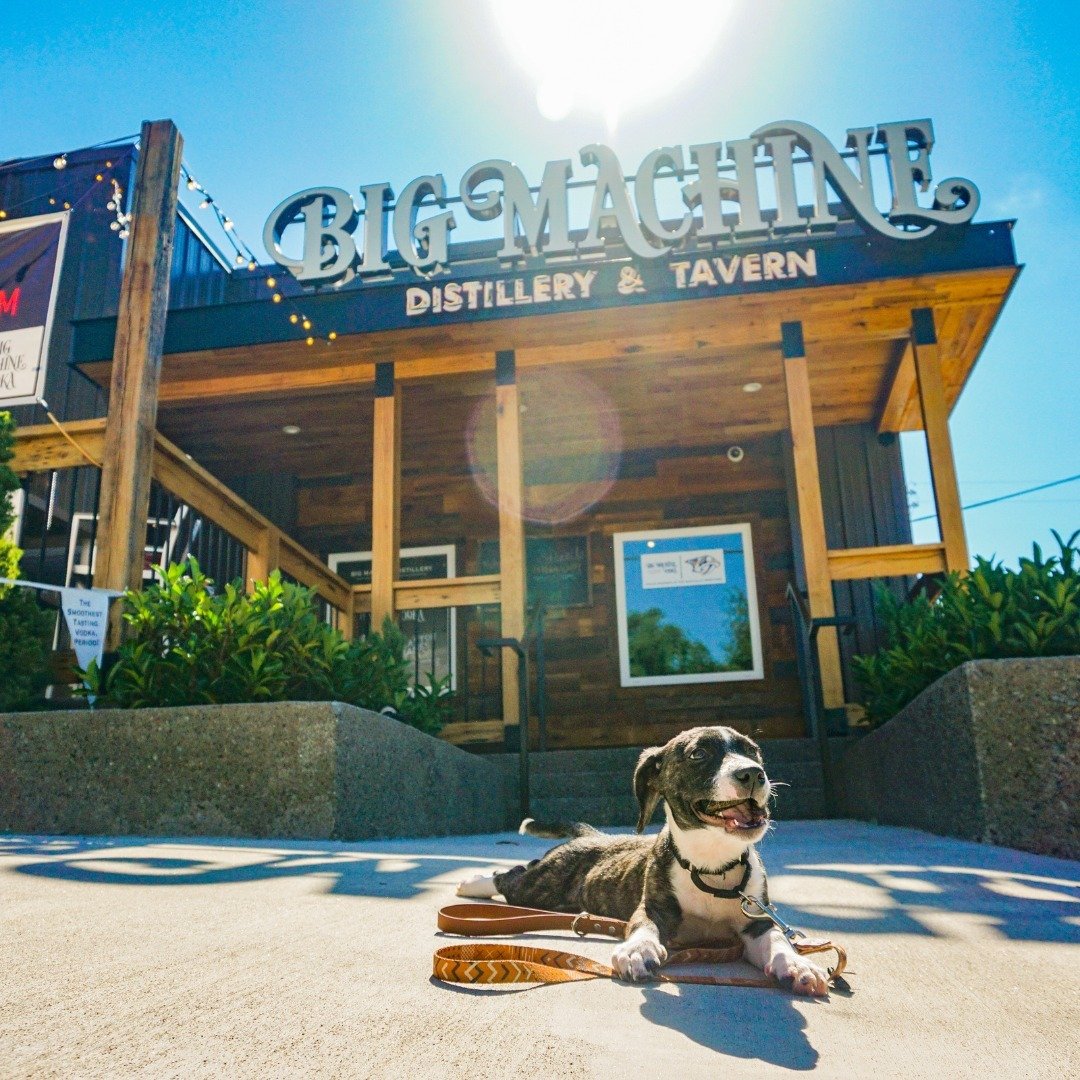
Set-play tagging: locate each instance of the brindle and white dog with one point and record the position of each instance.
(716, 800)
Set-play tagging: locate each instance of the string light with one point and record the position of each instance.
(243, 254)
(60, 163)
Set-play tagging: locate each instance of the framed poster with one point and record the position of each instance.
(31, 255)
(556, 569)
(431, 633)
(686, 603)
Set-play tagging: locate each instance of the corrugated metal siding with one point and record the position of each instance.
(197, 278)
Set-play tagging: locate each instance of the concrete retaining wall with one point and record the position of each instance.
(315, 770)
(990, 752)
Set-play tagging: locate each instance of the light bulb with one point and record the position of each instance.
(204, 204)
(277, 298)
(271, 282)
(60, 162)
(251, 265)
(191, 184)
(226, 224)
(294, 318)
(239, 260)
(311, 341)
(307, 324)
(332, 336)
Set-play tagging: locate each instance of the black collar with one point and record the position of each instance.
(695, 874)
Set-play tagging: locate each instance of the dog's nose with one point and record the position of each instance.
(751, 776)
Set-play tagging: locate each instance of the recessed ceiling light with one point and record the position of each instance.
(752, 387)
(291, 429)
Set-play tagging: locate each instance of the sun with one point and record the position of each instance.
(608, 57)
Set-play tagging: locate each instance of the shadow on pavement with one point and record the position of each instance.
(866, 881)
(133, 861)
(761, 1025)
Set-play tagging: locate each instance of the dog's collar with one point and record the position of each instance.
(696, 872)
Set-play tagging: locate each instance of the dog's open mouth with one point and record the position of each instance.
(733, 816)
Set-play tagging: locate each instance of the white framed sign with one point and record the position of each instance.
(431, 633)
(686, 602)
(31, 257)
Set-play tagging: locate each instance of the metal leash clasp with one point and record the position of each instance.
(767, 911)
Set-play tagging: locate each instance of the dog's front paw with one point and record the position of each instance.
(639, 957)
(804, 977)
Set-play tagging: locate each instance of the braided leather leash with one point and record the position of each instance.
(481, 963)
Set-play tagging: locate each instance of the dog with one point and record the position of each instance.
(682, 887)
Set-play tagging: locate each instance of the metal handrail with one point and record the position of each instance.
(488, 646)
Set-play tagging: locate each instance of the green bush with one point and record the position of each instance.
(187, 644)
(990, 613)
(25, 628)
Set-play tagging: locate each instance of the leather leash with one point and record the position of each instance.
(485, 963)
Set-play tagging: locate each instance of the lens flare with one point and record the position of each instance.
(563, 409)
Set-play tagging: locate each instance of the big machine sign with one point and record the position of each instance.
(31, 253)
(715, 197)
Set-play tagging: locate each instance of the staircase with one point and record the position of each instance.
(596, 785)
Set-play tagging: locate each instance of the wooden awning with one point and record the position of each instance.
(678, 369)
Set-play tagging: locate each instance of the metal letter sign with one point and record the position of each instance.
(722, 201)
(31, 255)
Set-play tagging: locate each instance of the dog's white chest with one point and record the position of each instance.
(704, 917)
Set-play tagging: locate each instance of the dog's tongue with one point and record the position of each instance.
(739, 813)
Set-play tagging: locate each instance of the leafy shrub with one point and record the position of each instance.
(989, 613)
(188, 645)
(25, 628)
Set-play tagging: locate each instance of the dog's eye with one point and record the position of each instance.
(698, 754)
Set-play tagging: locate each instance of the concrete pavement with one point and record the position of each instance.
(179, 957)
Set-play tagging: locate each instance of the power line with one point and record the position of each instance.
(1003, 498)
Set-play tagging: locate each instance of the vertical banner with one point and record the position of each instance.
(31, 255)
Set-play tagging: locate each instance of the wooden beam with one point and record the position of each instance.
(41, 447)
(205, 494)
(140, 331)
(475, 731)
(447, 592)
(299, 563)
(893, 560)
(385, 494)
(901, 389)
(208, 496)
(511, 525)
(810, 510)
(361, 599)
(935, 416)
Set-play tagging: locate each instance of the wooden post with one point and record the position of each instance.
(264, 559)
(385, 494)
(346, 618)
(140, 331)
(811, 514)
(935, 416)
(511, 526)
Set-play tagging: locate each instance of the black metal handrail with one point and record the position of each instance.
(488, 646)
(807, 629)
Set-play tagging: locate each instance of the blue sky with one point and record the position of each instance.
(272, 98)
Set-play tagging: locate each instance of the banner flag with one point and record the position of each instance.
(86, 612)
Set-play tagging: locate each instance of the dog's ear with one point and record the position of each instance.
(646, 784)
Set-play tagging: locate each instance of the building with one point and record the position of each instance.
(661, 438)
